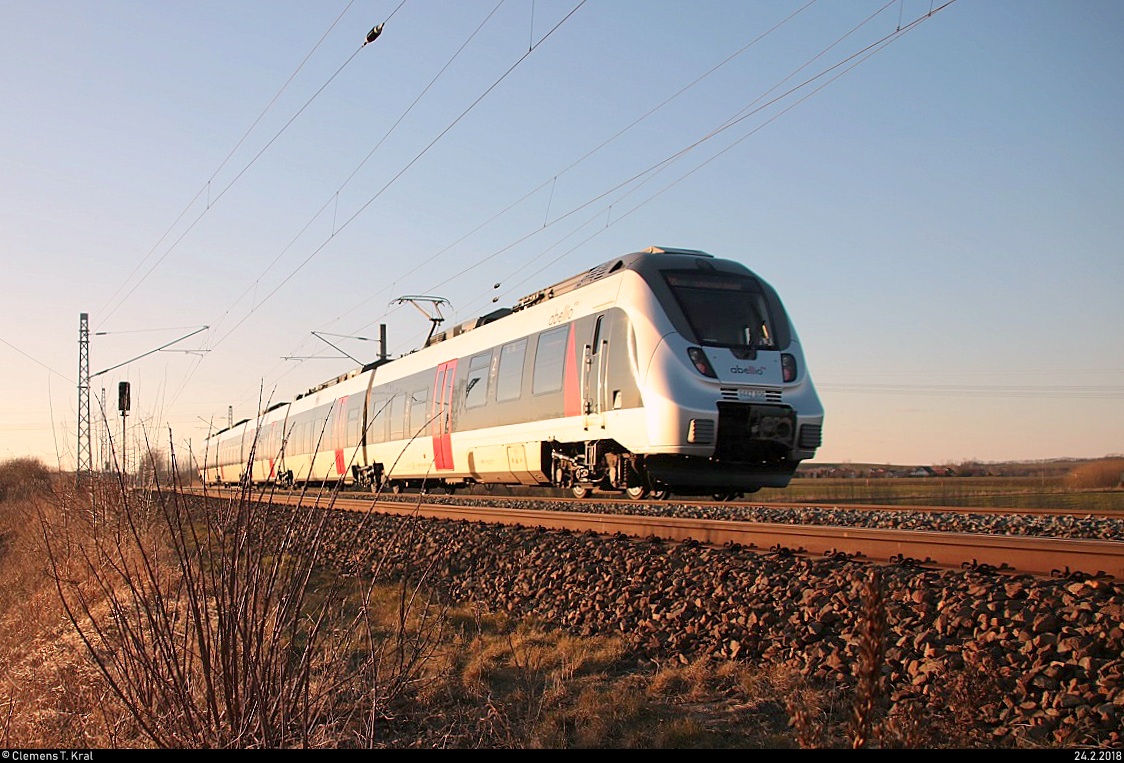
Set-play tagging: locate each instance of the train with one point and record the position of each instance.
(663, 371)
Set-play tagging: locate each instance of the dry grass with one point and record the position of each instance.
(50, 693)
(517, 684)
(1107, 473)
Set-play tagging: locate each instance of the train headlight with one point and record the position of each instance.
(788, 366)
(699, 360)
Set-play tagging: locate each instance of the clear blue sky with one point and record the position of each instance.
(940, 204)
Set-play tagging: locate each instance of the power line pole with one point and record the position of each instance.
(85, 463)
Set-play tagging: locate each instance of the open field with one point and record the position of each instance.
(1045, 492)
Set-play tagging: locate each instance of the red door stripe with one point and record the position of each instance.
(442, 415)
(571, 391)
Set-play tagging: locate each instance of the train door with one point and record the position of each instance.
(441, 415)
(595, 367)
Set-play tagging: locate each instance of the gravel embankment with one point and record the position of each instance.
(1040, 661)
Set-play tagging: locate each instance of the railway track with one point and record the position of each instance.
(1039, 556)
(1038, 639)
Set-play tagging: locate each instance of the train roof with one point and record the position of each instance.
(235, 425)
(600, 271)
(584, 278)
(341, 378)
(469, 325)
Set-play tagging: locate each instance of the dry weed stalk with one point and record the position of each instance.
(7, 710)
(871, 652)
(801, 721)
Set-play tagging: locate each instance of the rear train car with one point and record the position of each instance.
(661, 371)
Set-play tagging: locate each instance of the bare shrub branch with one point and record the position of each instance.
(213, 621)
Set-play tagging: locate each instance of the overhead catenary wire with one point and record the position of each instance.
(36, 361)
(293, 355)
(149, 352)
(569, 167)
(350, 177)
(110, 308)
(740, 116)
(231, 184)
(553, 181)
(399, 174)
(847, 63)
(853, 60)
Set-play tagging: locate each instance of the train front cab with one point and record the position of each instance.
(730, 405)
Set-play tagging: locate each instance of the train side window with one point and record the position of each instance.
(397, 416)
(418, 411)
(292, 444)
(322, 428)
(550, 358)
(313, 427)
(377, 415)
(330, 439)
(597, 334)
(304, 435)
(354, 420)
(296, 436)
(509, 381)
(476, 385)
(298, 444)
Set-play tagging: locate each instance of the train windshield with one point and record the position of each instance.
(724, 309)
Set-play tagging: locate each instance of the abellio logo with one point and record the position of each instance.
(754, 370)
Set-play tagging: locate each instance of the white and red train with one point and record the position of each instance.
(661, 371)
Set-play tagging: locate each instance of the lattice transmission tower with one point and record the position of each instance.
(85, 461)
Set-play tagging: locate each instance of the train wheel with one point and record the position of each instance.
(726, 497)
(636, 492)
(660, 494)
(579, 491)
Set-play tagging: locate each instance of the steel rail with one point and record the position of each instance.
(1056, 557)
